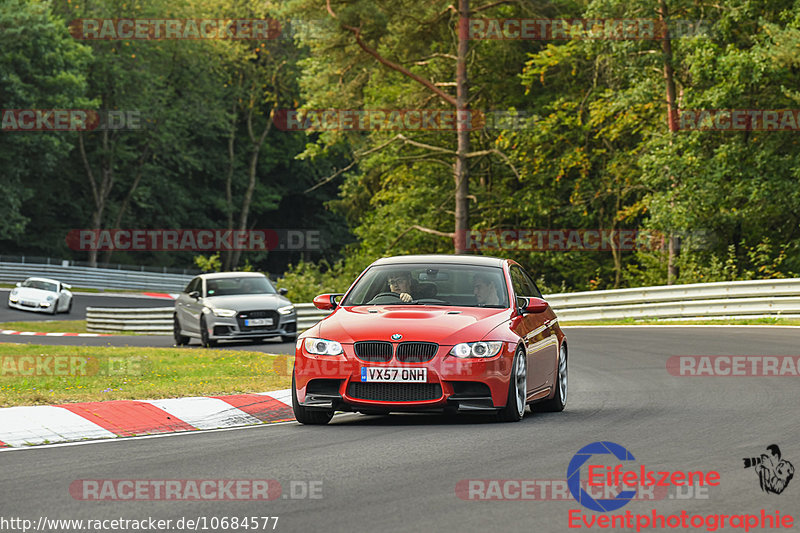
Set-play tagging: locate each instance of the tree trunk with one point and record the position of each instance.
(257, 142)
(463, 131)
(672, 119)
(227, 255)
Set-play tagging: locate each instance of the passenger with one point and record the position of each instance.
(485, 290)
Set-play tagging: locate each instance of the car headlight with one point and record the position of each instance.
(476, 349)
(224, 312)
(13, 299)
(51, 298)
(13, 292)
(288, 310)
(322, 346)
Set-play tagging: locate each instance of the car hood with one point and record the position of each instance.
(247, 302)
(29, 293)
(443, 325)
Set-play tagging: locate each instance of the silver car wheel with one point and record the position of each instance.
(521, 382)
(562, 375)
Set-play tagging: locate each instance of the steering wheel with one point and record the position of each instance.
(386, 294)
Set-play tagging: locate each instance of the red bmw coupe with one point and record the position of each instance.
(432, 332)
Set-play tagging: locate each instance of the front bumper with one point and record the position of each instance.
(232, 328)
(41, 307)
(471, 385)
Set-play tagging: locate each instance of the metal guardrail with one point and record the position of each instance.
(750, 299)
(95, 278)
(158, 320)
(152, 320)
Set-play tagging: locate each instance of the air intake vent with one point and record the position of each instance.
(395, 392)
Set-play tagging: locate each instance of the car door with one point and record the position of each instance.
(536, 330)
(186, 307)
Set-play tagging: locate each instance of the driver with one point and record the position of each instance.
(400, 282)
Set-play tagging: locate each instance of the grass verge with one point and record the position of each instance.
(33, 374)
(48, 326)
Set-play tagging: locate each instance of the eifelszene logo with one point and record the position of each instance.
(774, 473)
(600, 475)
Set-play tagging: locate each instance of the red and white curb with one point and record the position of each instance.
(47, 424)
(164, 295)
(43, 334)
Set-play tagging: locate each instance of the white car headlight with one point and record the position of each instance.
(227, 313)
(322, 346)
(50, 298)
(288, 310)
(476, 349)
(13, 292)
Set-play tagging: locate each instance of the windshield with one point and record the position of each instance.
(452, 285)
(38, 284)
(242, 285)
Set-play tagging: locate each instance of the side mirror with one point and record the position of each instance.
(65, 286)
(326, 302)
(532, 305)
(19, 284)
(194, 294)
(283, 291)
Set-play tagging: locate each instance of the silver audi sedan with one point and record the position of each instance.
(233, 306)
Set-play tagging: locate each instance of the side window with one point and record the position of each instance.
(536, 292)
(523, 286)
(193, 285)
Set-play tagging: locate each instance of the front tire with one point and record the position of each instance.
(314, 417)
(204, 339)
(559, 400)
(517, 390)
(180, 340)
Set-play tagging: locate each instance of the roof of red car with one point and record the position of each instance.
(442, 259)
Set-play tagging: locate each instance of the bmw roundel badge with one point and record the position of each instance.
(396, 337)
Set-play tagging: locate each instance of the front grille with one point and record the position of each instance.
(373, 351)
(395, 392)
(416, 352)
(244, 315)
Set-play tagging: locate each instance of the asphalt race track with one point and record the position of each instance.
(400, 472)
(80, 302)
(156, 341)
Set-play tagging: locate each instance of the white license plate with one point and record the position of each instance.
(394, 375)
(258, 322)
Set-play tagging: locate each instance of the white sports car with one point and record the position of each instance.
(41, 294)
